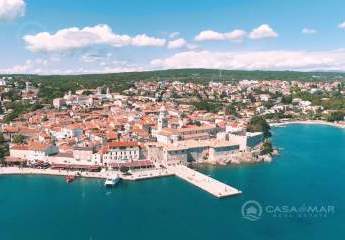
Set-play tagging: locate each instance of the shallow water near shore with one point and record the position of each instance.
(309, 171)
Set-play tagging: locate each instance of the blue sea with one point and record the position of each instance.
(288, 196)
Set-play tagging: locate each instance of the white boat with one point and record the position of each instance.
(112, 181)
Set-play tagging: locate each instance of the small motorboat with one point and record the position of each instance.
(70, 178)
(112, 181)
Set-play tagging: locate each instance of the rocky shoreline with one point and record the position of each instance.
(245, 158)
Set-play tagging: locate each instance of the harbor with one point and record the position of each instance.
(85, 209)
(200, 180)
(140, 175)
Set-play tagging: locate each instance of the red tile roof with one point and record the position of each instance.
(123, 144)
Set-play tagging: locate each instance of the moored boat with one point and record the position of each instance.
(70, 178)
(112, 181)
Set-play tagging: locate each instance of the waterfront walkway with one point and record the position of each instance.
(206, 183)
(139, 175)
(50, 172)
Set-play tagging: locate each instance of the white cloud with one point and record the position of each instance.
(210, 35)
(263, 31)
(143, 40)
(24, 68)
(30, 66)
(332, 60)
(192, 46)
(116, 69)
(11, 9)
(91, 58)
(116, 66)
(174, 34)
(236, 35)
(341, 25)
(257, 60)
(48, 66)
(309, 31)
(75, 38)
(178, 43)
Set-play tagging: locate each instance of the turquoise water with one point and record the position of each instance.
(309, 171)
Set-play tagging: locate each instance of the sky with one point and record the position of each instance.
(102, 36)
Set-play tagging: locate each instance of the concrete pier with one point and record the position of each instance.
(147, 174)
(204, 182)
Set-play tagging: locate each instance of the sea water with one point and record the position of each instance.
(286, 195)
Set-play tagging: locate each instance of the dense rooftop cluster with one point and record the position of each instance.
(156, 123)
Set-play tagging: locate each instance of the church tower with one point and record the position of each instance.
(162, 118)
(180, 121)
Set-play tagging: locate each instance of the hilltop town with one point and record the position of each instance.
(156, 124)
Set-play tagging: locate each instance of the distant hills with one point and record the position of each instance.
(52, 86)
(200, 75)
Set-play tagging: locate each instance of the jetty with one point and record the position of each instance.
(200, 180)
(204, 182)
(147, 174)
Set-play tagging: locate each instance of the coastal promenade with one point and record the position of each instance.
(204, 182)
(140, 175)
(50, 172)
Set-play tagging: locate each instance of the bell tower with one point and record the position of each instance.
(162, 118)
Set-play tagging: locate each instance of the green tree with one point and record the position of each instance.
(18, 138)
(230, 110)
(266, 147)
(208, 106)
(19, 108)
(197, 123)
(287, 99)
(124, 169)
(3, 149)
(3, 152)
(336, 116)
(87, 92)
(259, 124)
(2, 139)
